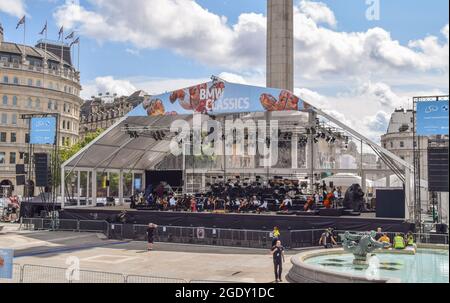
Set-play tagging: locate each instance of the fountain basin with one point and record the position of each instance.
(428, 264)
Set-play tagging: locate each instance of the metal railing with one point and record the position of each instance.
(30, 273)
(203, 235)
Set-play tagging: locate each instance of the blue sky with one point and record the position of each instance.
(341, 57)
(405, 19)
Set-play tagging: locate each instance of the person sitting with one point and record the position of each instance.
(263, 207)
(399, 241)
(255, 203)
(385, 239)
(201, 203)
(150, 200)
(172, 203)
(327, 239)
(309, 205)
(286, 204)
(410, 240)
(243, 205)
(193, 207)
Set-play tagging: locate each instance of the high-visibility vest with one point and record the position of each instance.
(410, 240)
(399, 243)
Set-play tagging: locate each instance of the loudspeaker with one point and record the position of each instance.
(441, 228)
(438, 169)
(20, 169)
(20, 180)
(42, 169)
(331, 184)
(390, 203)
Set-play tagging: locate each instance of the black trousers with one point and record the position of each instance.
(278, 268)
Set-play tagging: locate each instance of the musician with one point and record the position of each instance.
(263, 207)
(310, 204)
(286, 204)
(193, 206)
(243, 205)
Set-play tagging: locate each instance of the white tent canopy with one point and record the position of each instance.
(346, 180)
(394, 181)
(115, 149)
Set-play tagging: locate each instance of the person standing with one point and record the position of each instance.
(150, 231)
(278, 260)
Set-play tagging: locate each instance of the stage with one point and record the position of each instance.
(247, 221)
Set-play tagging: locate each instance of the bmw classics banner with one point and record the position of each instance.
(220, 97)
(432, 118)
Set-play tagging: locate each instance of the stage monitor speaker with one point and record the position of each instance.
(331, 184)
(442, 228)
(42, 169)
(438, 169)
(20, 180)
(390, 203)
(20, 169)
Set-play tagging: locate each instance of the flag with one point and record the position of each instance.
(21, 21)
(71, 35)
(61, 32)
(76, 41)
(44, 29)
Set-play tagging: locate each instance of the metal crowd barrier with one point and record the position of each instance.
(29, 273)
(202, 235)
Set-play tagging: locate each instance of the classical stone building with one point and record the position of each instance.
(34, 81)
(103, 111)
(400, 141)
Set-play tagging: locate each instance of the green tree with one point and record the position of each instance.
(67, 152)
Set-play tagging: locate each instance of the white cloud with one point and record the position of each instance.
(108, 84)
(319, 12)
(15, 8)
(188, 29)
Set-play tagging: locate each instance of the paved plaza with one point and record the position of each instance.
(181, 261)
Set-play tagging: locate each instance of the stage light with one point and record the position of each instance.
(323, 135)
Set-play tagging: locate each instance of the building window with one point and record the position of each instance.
(38, 103)
(402, 144)
(14, 101)
(27, 138)
(30, 82)
(5, 100)
(13, 137)
(14, 119)
(3, 137)
(50, 104)
(401, 157)
(4, 118)
(55, 105)
(2, 158)
(68, 125)
(392, 144)
(29, 103)
(38, 83)
(5, 79)
(64, 124)
(16, 80)
(12, 158)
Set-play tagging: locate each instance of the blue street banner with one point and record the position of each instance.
(43, 130)
(432, 118)
(6, 263)
(220, 97)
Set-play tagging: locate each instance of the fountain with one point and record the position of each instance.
(364, 260)
(360, 245)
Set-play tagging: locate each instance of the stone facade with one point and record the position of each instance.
(103, 111)
(33, 81)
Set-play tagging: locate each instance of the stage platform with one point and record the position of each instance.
(239, 221)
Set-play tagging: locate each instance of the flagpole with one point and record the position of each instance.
(24, 32)
(78, 60)
(62, 50)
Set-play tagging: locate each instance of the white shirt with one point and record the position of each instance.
(288, 201)
(172, 201)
